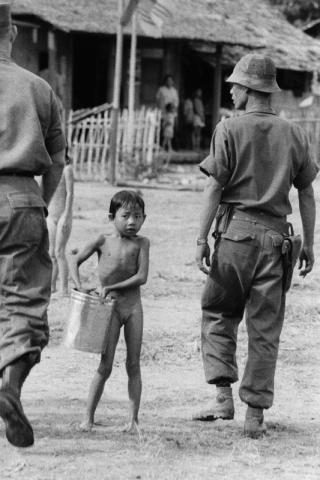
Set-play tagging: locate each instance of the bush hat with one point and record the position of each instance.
(257, 72)
(5, 16)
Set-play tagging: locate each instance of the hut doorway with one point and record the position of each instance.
(90, 66)
(151, 72)
(196, 73)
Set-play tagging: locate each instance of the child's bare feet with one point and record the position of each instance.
(86, 426)
(132, 427)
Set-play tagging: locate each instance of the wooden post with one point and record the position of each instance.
(217, 87)
(129, 12)
(132, 82)
(110, 72)
(52, 60)
(68, 72)
(116, 98)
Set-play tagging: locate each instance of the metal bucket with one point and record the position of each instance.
(88, 323)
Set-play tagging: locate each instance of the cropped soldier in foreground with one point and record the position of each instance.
(254, 160)
(31, 143)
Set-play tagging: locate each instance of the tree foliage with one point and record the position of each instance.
(299, 12)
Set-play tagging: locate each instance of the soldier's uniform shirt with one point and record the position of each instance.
(256, 158)
(30, 125)
(30, 132)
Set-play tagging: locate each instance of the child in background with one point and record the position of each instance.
(198, 119)
(123, 262)
(168, 129)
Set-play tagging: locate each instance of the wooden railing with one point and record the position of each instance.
(88, 134)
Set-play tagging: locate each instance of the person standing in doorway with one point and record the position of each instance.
(254, 160)
(198, 119)
(31, 143)
(168, 131)
(167, 94)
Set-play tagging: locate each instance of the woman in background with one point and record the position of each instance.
(166, 94)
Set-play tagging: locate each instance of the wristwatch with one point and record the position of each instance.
(202, 241)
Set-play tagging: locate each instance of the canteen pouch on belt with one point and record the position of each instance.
(291, 248)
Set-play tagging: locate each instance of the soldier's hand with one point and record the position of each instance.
(104, 292)
(306, 261)
(203, 254)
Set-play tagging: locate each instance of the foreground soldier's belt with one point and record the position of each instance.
(16, 174)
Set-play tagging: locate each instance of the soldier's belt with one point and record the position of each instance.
(291, 245)
(273, 223)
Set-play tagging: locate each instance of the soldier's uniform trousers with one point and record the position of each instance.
(246, 279)
(25, 270)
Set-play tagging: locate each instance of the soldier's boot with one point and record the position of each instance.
(254, 426)
(18, 429)
(223, 407)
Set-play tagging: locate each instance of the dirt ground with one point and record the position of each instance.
(170, 445)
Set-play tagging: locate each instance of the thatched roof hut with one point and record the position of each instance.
(245, 23)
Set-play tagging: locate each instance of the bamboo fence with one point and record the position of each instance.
(88, 135)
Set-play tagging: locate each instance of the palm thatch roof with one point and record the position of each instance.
(248, 23)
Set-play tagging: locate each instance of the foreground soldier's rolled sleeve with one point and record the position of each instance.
(218, 163)
(55, 140)
(306, 174)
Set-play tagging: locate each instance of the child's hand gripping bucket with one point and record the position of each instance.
(88, 323)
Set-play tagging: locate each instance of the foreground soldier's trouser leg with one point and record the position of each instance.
(14, 374)
(25, 277)
(25, 273)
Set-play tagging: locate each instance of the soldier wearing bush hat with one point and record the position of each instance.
(32, 143)
(256, 72)
(254, 160)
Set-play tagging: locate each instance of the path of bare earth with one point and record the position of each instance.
(170, 445)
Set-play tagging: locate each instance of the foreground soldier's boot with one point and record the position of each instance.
(18, 429)
(223, 407)
(254, 426)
